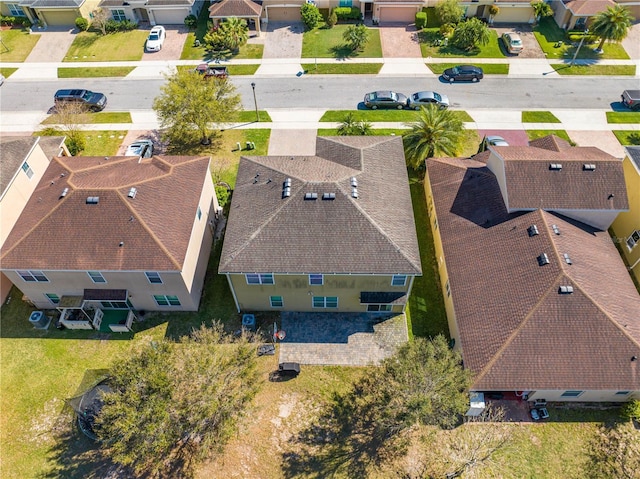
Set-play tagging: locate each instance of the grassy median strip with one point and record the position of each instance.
(628, 138)
(7, 72)
(247, 116)
(535, 134)
(539, 117)
(96, 118)
(604, 70)
(487, 68)
(342, 68)
(94, 72)
(374, 116)
(623, 117)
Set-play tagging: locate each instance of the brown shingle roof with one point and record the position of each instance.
(372, 234)
(66, 233)
(235, 8)
(588, 8)
(516, 331)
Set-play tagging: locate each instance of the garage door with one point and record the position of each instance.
(397, 14)
(172, 16)
(58, 17)
(513, 15)
(284, 14)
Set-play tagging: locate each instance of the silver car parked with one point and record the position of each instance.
(424, 98)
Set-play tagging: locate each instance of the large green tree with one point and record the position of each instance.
(189, 106)
(229, 36)
(356, 37)
(541, 9)
(470, 33)
(449, 11)
(175, 404)
(612, 25)
(436, 132)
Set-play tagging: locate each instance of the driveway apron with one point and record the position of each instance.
(53, 44)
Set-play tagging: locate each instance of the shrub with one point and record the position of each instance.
(447, 29)
(191, 21)
(76, 143)
(631, 410)
(127, 25)
(421, 20)
(332, 19)
(310, 15)
(223, 195)
(82, 24)
(347, 13)
(7, 20)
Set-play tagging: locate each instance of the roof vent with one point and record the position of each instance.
(533, 230)
(64, 193)
(567, 258)
(354, 182)
(92, 200)
(328, 196)
(287, 183)
(311, 196)
(286, 192)
(555, 229)
(354, 192)
(555, 166)
(589, 167)
(543, 259)
(132, 192)
(565, 290)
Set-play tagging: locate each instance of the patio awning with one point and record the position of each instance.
(70, 302)
(381, 297)
(105, 295)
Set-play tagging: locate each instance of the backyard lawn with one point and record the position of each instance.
(17, 44)
(93, 47)
(325, 42)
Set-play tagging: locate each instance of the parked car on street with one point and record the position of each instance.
(155, 39)
(385, 99)
(463, 73)
(512, 42)
(90, 100)
(495, 140)
(141, 147)
(424, 98)
(631, 99)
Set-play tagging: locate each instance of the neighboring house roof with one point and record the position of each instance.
(588, 8)
(169, 3)
(52, 145)
(532, 182)
(63, 231)
(235, 8)
(375, 233)
(633, 152)
(56, 4)
(13, 153)
(517, 331)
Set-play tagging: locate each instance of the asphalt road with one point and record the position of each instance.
(344, 92)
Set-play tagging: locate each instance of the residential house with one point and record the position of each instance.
(538, 299)
(570, 14)
(246, 9)
(50, 12)
(23, 161)
(154, 12)
(626, 227)
(102, 235)
(333, 232)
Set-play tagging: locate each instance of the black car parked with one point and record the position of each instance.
(91, 100)
(463, 73)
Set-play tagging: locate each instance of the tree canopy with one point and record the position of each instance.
(174, 404)
(190, 106)
(612, 25)
(356, 36)
(449, 11)
(470, 33)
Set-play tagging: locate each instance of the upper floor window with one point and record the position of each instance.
(316, 279)
(257, 278)
(33, 276)
(27, 169)
(15, 10)
(633, 240)
(118, 15)
(96, 277)
(153, 277)
(399, 280)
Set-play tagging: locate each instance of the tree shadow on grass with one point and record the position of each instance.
(343, 51)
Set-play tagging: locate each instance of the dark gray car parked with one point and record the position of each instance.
(385, 99)
(463, 73)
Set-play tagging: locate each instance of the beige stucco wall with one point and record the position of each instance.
(629, 221)
(298, 295)
(587, 396)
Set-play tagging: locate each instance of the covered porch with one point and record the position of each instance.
(106, 310)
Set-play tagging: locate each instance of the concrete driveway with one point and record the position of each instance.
(53, 44)
(283, 40)
(531, 47)
(172, 47)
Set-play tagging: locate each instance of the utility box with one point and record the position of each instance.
(39, 320)
(289, 369)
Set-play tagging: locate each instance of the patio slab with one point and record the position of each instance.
(341, 339)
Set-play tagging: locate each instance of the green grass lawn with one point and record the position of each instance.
(247, 116)
(94, 72)
(18, 43)
(623, 117)
(381, 115)
(613, 70)
(324, 42)
(98, 143)
(429, 36)
(535, 134)
(374, 131)
(549, 34)
(7, 72)
(93, 47)
(242, 69)
(487, 68)
(342, 68)
(190, 51)
(628, 138)
(95, 118)
(539, 117)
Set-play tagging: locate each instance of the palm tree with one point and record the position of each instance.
(235, 32)
(351, 127)
(356, 37)
(435, 133)
(541, 9)
(612, 25)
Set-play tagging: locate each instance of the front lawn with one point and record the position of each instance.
(487, 68)
(95, 118)
(539, 117)
(94, 72)
(623, 117)
(430, 37)
(325, 42)
(190, 51)
(17, 44)
(594, 69)
(93, 47)
(628, 138)
(342, 68)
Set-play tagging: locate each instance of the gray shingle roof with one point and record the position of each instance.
(374, 233)
(634, 155)
(13, 152)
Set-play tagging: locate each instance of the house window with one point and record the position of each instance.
(633, 240)
(316, 279)
(346, 3)
(448, 288)
(276, 301)
(623, 393)
(153, 277)
(399, 280)
(199, 213)
(27, 169)
(571, 394)
(96, 277)
(266, 278)
(15, 10)
(374, 308)
(115, 304)
(33, 276)
(54, 298)
(325, 302)
(118, 15)
(166, 300)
